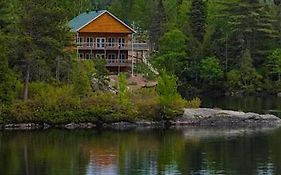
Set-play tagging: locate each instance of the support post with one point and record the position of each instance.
(132, 53)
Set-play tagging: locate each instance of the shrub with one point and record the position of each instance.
(58, 97)
(122, 89)
(82, 75)
(146, 102)
(170, 100)
(194, 103)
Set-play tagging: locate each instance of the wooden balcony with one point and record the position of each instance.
(113, 46)
(118, 62)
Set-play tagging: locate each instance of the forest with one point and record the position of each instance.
(225, 46)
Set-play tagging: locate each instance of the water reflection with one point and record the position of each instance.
(174, 151)
(266, 104)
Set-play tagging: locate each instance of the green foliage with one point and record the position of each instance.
(123, 89)
(194, 103)
(101, 70)
(82, 75)
(233, 80)
(246, 78)
(172, 56)
(211, 71)
(143, 69)
(249, 76)
(8, 79)
(172, 41)
(198, 15)
(170, 100)
(273, 65)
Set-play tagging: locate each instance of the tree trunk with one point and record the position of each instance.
(26, 81)
(58, 69)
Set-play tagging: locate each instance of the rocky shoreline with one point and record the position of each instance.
(201, 117)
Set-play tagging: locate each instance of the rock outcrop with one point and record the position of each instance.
(217, 117)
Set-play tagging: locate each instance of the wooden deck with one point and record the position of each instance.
(113, 46)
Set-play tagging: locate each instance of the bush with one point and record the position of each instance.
(170, 100)
(143, 69)
(194, 103)
(146, 103)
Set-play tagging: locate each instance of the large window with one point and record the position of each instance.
(111, 42)
(112, 57)
(121, 42)
(100, 43)
(90, 41)
(123, 57)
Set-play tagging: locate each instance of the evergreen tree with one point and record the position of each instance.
(250, 25)
(41, 37)
(157, 27)
(7, 77)
(198, 15)
(249, 76)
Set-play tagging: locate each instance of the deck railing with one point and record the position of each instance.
(118, 62)
(112, 46)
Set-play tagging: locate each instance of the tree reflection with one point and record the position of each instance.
(138, 152)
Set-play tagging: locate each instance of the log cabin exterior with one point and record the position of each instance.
(101, 35)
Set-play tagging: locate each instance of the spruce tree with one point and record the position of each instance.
(157, 27)
(198, 15)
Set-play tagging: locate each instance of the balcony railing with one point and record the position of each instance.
(118, 62)
(112, 46)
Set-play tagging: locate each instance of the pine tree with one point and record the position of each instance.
(250, 25)
(198, 15)
(157, 27)
(41, 37)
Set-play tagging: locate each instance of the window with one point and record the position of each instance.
(123, 57)
(121, 42)
(112, 57)
(80, 40)
(90, 41)
(111, 42)
(88, 56)
(100, 55)
(81, 56)
(100, 43)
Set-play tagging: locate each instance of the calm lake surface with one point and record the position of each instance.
(148, 151)
(185, 151)
(267, 104)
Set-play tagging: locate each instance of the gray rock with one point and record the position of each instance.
(71, 126)
(279, 94)
(22, 126)
(46, 126)
(86, 125)
(216, 117)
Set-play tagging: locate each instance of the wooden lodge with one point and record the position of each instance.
(101, 35)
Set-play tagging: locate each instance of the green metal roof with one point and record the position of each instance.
(83, 19)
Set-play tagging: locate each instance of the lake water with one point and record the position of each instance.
(184, 151)
(141, 152)
(267, 104)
